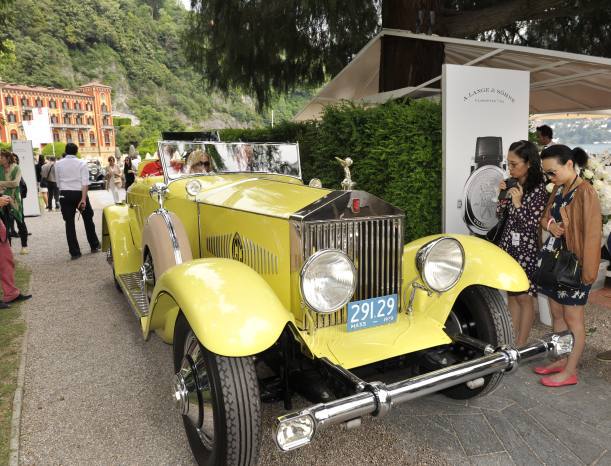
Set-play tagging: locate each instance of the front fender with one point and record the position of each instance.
(116, 232)
(485, 264)
(231, 309)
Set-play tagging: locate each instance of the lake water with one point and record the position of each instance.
(592, 148)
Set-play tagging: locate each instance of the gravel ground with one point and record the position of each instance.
(96, 393)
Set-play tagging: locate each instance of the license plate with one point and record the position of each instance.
(372, 312)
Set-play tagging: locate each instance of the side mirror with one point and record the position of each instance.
(158, 192)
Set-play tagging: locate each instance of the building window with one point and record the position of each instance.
(92, 138)
(81, 138)
(27, 116)
(104, 108)
(65, 105)
(24, 102)
(11, 117)
(67, 119)
(38, 102)
(52, 104)
(79, 120)
(14, 135)
(107, 138)
(89, 106)
(9, 100)
(68, 136)
(89, 121)
(55, 136)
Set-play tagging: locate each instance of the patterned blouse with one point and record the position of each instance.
(520, 238)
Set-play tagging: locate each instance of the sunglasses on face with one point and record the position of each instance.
(550, 173)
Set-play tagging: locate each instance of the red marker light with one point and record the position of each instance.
(356, 206)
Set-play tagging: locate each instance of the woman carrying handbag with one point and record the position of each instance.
(574, 221)
(521, 207)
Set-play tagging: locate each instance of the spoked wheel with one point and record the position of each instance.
(147, 271)
(480, 312)
(218, 398)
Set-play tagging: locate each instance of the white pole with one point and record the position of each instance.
(272, 118)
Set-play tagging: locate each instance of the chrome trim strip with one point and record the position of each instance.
(168, 221)
(378, 399)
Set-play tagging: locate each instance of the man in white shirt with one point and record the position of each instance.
(72, 177)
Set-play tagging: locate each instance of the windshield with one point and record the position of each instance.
(208, 158)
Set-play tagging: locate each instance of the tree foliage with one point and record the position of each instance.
(279, 44)
(274, 45)
(119, 42)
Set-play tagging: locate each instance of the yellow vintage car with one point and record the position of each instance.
(267, 287)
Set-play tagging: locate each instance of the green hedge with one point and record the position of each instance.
(396, 149)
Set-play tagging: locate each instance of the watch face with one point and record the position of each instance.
(480, 198)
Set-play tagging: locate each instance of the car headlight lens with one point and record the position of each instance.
(441, 263)
(328, 280)
(193, 187)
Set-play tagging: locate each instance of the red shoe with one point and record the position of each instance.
(570, 380)
(542, 370)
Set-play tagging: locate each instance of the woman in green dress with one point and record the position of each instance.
(10, 176)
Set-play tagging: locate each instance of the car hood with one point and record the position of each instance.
(267, 195)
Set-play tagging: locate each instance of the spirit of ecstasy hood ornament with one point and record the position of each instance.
(347, 183)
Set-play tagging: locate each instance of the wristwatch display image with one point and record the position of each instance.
(480, 193)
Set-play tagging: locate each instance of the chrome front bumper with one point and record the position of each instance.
(297, 429)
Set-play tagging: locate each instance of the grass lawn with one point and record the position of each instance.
(12, 328)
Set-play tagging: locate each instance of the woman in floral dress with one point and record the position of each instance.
(520, 237)
(573, 212)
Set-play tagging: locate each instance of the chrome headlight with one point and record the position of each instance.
(193, 187)
(328, 280)
(441, 263)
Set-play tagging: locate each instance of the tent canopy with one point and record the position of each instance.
(560, 82)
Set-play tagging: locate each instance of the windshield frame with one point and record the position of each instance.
(166, 169)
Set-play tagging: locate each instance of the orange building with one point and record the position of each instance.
(82, 116)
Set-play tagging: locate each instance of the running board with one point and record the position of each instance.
(131, 284)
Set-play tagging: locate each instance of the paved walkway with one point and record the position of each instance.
(96, 393)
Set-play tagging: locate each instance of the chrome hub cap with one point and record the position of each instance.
(192, 392)
(147, 272)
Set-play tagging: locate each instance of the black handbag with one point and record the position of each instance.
(559, 269)
(494, 234)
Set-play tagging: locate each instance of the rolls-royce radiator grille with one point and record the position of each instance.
(375, 245)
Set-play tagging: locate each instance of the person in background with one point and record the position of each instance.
(10, 293)
(114, 178)
(544, 136)
(10, 176)
(129, 173)
(73, 181)
(48, 174)
(520, 237)
(43, 190)
(573, 214)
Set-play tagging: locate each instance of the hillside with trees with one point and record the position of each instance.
(133, 46)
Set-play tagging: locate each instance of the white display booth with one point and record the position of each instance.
(24, 151)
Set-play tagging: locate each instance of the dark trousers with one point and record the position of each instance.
(69, 201)
(53, 194)
(22, 229)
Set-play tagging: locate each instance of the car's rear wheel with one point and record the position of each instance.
(219, 400)
(480, 312)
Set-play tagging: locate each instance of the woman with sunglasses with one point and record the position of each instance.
(524, 206)
(199, 162)
(572, 213)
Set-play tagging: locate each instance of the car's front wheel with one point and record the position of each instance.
(480, 312)
(219, 400)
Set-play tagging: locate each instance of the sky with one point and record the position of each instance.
(186, 3)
